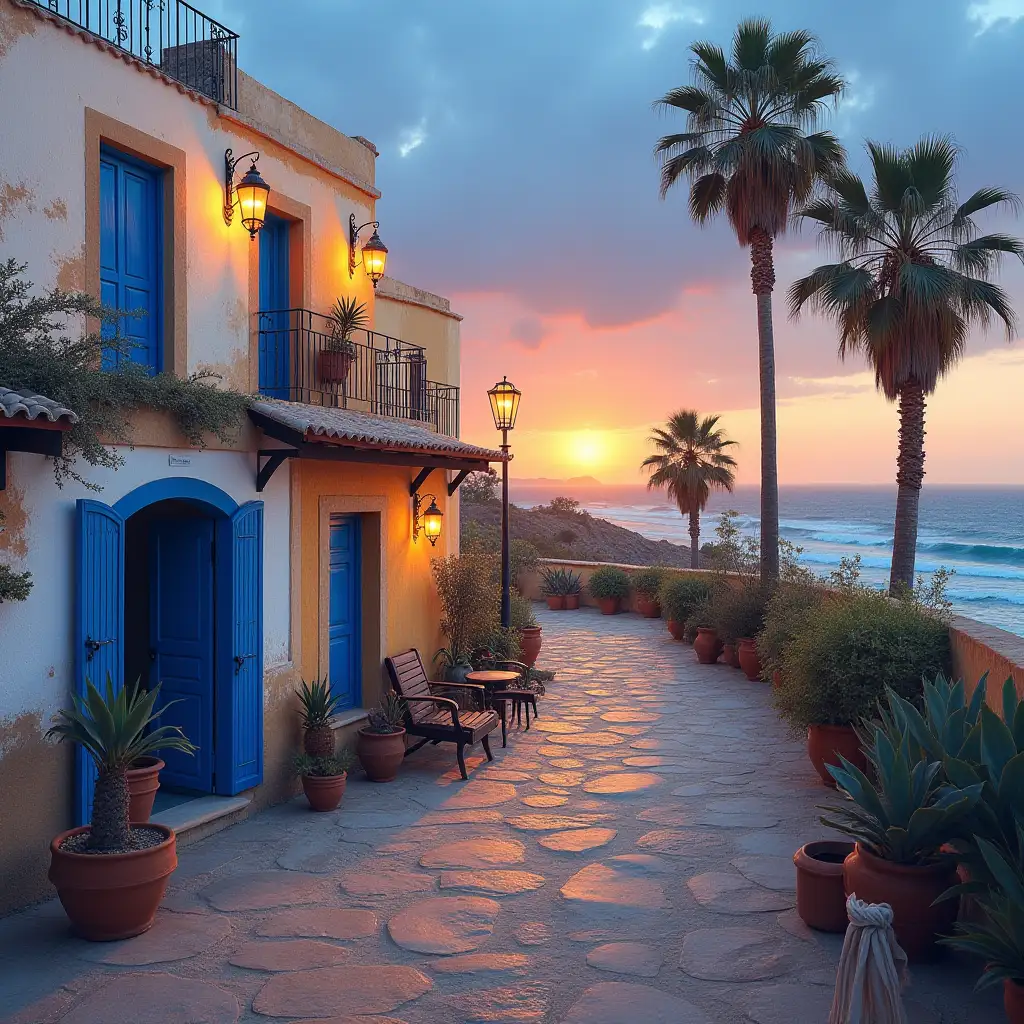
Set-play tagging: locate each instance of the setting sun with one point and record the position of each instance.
(587, 448)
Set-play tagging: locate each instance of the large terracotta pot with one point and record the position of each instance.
(707, 646)
(143, 782)
(334, 366)
(648, 607)
(729, 656)
(381, 754)
(826, 742)
(572, 602)
(820, 893)
(530, 642)
(111, 896)
(324, 792)
(676, 628)
(1013, 1001)
(911, 890)
(609, 605)
(750, 660)
(556, 602)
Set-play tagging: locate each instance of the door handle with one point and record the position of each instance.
(240, 660)
(92, 646)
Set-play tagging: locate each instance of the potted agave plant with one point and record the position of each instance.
(318, 706)
(347, 315)
(609, 586)
(111, 875)
(381, 744)
(572, 588)
(552, 588)
(324, 778)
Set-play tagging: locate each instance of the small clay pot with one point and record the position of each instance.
(707, 646)
(530, 641)
(572, 602)
(911, 890)
(729, 656)
(826, 742)
(609, 605)
(110, 896)
(750, 660)
(820, 894)
(334, 366)
(143, 782)
(381, 754)
(324, 792)
(1013, 1001)
(556, 602)
(648, 607)
(676, 628)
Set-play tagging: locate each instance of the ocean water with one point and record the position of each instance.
(976, 531)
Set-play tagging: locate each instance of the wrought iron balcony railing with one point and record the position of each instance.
(168, 34)
(300, 362)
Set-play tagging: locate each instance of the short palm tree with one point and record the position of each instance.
(749, 150)
(913, 278)
(112, 728)
(690, 463)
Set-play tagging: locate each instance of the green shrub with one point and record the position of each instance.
(737, 609)
(849, 649)
(609, 582)
(522, 611)
(785, 615)
(523, 557)
(700, 616)
(647, 582)
(680, 595)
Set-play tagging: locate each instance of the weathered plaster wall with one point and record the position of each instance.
(978, 648)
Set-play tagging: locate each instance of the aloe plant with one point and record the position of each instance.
(388, 717)
(318, 707)
(112, 728)
(347, 315)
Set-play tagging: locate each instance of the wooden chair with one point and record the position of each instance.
(518, 697)
(438, 719)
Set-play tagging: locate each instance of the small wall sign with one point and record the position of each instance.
(179, 460)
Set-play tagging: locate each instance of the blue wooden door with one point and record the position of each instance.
(275, 335)
(344, 626)
(131, 252)
(240, 666)
(99, 621)
(181, 636)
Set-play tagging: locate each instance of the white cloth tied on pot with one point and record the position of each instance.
(872, 969)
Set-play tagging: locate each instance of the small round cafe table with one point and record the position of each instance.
(499, 688)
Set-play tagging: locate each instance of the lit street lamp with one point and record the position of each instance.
(504, 406)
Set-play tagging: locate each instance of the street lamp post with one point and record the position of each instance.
(504, 406)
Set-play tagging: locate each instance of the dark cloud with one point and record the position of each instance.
(529, 331)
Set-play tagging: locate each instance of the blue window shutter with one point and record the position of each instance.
(99, 619)
(240, 757)
(275, 326)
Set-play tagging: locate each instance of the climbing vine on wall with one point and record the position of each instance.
(14, 586)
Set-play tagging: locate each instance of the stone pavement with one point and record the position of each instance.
(626, 860)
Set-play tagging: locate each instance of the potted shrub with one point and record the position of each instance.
(318, 706)
(679, 596)
(324, 778)
(525, 623)
(347, 315)
(900, 824)
(381, 744)
(706, 643)
(849, 650)
(737, 613)
(143, 783)
(552, 588)
(646, 585)
(111, 875)
(820, 891)
(573, 588)
(785, 614)
(609, 586)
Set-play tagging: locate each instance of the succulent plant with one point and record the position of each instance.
(324, 767)
(388, 717)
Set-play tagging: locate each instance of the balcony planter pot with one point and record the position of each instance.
(143, 782)
(572, 602)
(1013, 1001)
(334, 366)
(530, 641)
(911, 890)
(826, 742)
(110, 896)
(609, 605)
(707, 646)
(648, 607)
(820, 893)
(381, 754)
(556, 602)
(677, 629)
(729, 655)
(750, 660)
(324, 792)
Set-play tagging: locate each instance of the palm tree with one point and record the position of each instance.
(691, 462)
(747, 151)
(913, 278)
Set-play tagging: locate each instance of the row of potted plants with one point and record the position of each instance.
(561, 588)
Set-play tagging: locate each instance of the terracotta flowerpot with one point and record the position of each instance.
(676, 628)
(143, 782)
(1013, 1001)
(530, 642)
(609, 605)
(707, 646)
(820, 894)
(555, 602)
(750, 660)
(776, 678)
(572, 602)
(911, 890)
(381, 754)
(729, 655)
(324, 792)
(826, 742)
(334, 366)
(648, 607)
(111, 896)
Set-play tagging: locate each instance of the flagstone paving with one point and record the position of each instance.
(625, 861)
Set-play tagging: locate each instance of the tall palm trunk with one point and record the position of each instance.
(762, 278)
(909, 477)
(694, 538)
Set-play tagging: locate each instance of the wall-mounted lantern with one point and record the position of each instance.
(249, 195)
(429, 520)
(375, 252)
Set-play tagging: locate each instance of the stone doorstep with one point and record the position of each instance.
(202, 817)
(349, 717)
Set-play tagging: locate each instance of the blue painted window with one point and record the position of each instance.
(131, 252)
(344, 627)
(275, 335)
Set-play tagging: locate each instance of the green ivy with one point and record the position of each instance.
(14, 586)
(38, 352)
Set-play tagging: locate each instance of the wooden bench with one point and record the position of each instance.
(438, 719)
